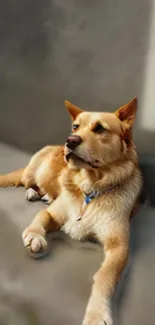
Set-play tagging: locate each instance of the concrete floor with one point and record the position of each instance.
(55, 290)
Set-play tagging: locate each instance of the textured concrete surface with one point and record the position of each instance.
(94, 53)
(55, 290)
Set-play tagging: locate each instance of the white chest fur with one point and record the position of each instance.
(94, 219)
(102, 214)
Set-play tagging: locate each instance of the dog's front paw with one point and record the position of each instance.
(97, 319)
(98, 315)
(34, 240)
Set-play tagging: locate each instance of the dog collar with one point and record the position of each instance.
(88, 197)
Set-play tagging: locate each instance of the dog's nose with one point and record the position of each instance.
(73, 141)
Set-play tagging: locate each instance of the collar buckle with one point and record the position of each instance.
(92, 195)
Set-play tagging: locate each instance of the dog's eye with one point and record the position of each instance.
(98, 128)
(75, 127)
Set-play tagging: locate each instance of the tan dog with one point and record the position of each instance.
(93, 183)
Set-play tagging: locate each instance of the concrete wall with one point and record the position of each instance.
(93, 53)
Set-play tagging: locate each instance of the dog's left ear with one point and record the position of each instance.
(127, 112)
(73, 110)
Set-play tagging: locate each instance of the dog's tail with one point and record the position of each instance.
(12, 179)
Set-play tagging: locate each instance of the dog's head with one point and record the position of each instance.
(99, 139)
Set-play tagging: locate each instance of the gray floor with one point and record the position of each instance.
(55, 290)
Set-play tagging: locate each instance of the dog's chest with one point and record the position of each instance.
(75, 229)
(75, 226)
(86, 219)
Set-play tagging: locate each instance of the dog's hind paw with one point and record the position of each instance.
(31, 195)
(47, 199)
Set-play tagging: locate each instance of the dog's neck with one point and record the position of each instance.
(89, 180)
(88, 197)
(107, 177)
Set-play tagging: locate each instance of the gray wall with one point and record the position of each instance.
(91, 52)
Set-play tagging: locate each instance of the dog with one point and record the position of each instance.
(92, 184)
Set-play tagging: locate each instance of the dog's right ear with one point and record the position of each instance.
(73, 110)
(127, 112)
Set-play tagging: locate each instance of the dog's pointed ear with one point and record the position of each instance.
(127, 112)
(73, 110)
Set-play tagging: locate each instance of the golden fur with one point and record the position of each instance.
(105, 159)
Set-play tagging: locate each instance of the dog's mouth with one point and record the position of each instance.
(73, 156)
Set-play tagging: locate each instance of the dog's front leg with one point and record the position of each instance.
(98, 310)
